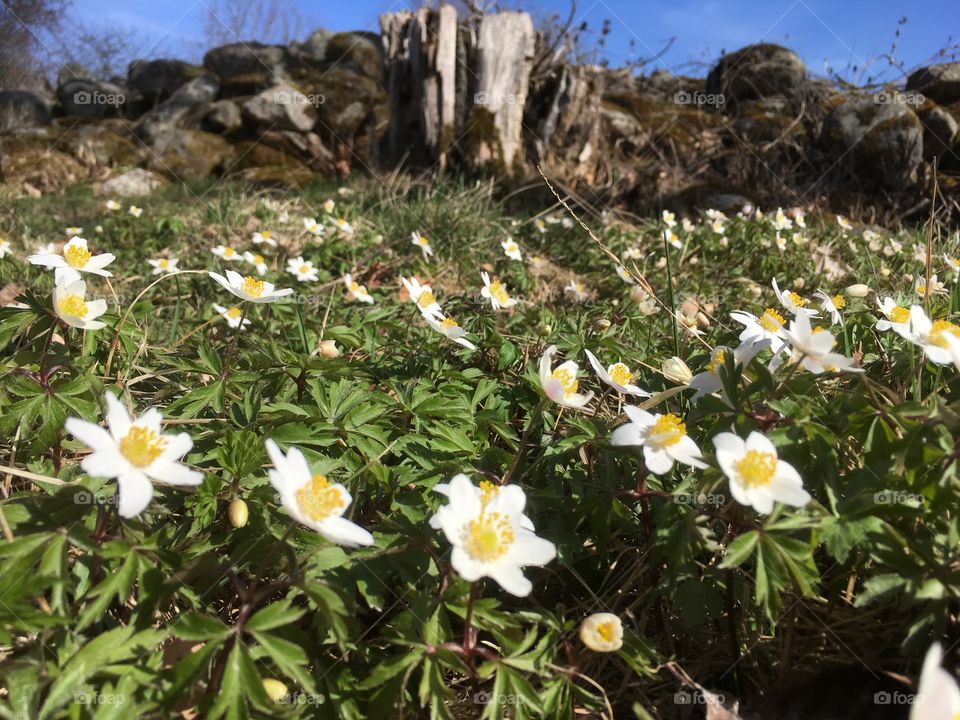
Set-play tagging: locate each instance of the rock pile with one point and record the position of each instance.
(435, 90)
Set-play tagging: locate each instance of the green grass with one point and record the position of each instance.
(94, 603)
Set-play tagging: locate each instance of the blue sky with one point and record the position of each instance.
(834, 31)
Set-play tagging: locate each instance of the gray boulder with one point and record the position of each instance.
(757, 72)
(187, 106)
(879, 143)
(184, 154)
(157, 80)
(940, 130)
(247, 68)
(91, 99)
(20, 109)
(222, 117)
(937, 82)
(133, 183)
(281, 108)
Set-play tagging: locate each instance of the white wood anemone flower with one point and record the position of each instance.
(669, 218)
(328, 205)
(449, 328)
(258, 262)
(625, 275)
(709, 381)
(249, 288)
(162, 266)
(672, 239)
(490, 535)
(617, 376)
(343, 227)
(233, 315)
(770, 326)
(932, 336)
(758, 477)
(356, 291)
(73, 231)
(112, 205)
(313, 227)
(791, 301)
(953, 264)
(421, 242)
(422, 297)
(136, 453)
(302, 269)
(602, 632)
(561, 384)
(135, 211)
(4, 248)
(813, 348)
(896, 317)
(938, 695)
(936, 287)
(577, 290)
(69, 303)
(264, 237)
(511, 249)
(832, 305)
(312, 499)
(663, 437)
(496, 293)
(226, 252)
(76, 259)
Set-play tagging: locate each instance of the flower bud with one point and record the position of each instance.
(638, 294)
(544, 330)
(675, 370)
(275, 689)
(238, 513)
(328, 348)
(603, 323)
(602, 632)
(858, 291)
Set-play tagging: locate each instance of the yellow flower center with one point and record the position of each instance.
(795, 299)
(142, 446)
(319, 500)
(499, 292)
(265, 235)
(512, 247)
(605, 631)
(839, 302)
(73, 305)
(756, 469)
(251, 287)
(771, 320)
(258, 259)
(164, 263)
(488, 491)
(719, 357)
(567, 380)
(667, 430)
(229, 252)
(939, 331)
(426, 299)
(76, 256)
(488, 537)
(233, 313)
(621, 374)
(354, 286)
(899, 314)
(304, 269)
(449, 322)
